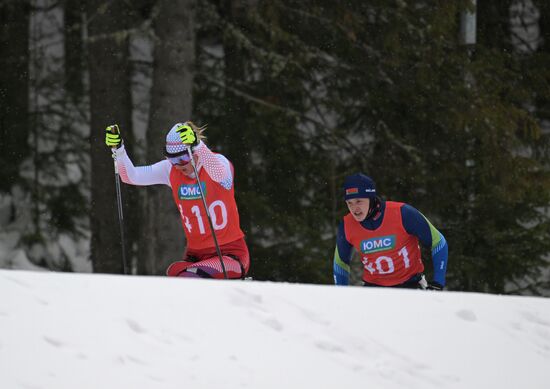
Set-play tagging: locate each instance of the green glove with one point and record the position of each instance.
(187, 135)
(112, 136)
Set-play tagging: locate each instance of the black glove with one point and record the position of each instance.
(432, 285)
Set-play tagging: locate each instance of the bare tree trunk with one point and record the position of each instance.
(110, 102)
(171, 102)
(14, 89)
(74, 51)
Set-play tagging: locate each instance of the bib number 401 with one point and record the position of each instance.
(384, 264)
(196, 210)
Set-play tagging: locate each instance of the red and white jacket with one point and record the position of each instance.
(216, 181)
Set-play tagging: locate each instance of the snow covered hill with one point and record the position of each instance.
(60, 330)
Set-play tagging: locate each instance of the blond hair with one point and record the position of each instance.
(199, 131)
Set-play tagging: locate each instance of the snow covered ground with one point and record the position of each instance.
(67, 330)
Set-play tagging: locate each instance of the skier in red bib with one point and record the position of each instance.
(215, 174)
(386, 235)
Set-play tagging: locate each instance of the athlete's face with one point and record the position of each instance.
(184, 165)
(359, 208)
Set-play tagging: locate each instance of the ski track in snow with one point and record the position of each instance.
(153, 332)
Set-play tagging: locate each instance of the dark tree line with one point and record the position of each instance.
(297, 94)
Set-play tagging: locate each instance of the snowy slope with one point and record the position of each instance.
(99, 331)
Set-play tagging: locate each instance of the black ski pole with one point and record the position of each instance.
(207, 212)
(114, 129)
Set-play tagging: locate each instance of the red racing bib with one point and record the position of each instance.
(390, 255)
(221, 206)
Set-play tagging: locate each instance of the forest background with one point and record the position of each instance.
(297, 94)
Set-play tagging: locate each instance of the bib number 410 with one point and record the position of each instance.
(196, 210)
(384, 264)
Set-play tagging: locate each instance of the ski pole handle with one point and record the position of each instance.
(115, 131)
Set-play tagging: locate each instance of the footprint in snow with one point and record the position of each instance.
(273, 323)
(53, 342)
(466, 314)
(135, 326)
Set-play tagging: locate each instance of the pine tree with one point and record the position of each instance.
(449, 132)
(14, 90)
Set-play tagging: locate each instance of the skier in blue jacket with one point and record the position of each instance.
(386, 234)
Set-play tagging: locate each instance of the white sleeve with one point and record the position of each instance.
(156, 174)
(216, 165)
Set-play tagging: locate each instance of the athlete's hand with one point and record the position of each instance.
(187, 135)
(112, 136)
(432, 285)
